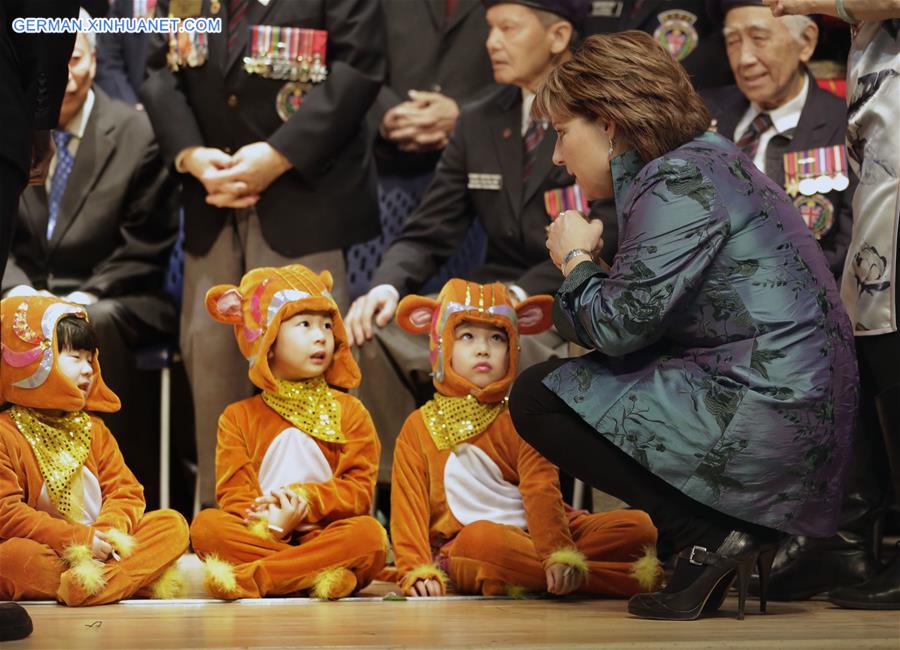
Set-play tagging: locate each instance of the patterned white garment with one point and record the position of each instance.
(873, 147)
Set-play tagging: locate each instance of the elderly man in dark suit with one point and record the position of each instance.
(776, 90)
(275, 159)
(33, 78)
(794, 131)
(99, 233)
(497, 165)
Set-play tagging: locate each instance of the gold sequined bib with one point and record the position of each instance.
(451, 420)
(310, 406)
(60, 445)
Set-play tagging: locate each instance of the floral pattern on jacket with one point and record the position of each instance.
(723, 359)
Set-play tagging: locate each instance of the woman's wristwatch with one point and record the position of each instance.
(575, 252)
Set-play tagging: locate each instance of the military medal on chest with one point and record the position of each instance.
(816, 171)
(565, 198)
(817, 213)
(811, 174)
(290, 54)
(187, 49)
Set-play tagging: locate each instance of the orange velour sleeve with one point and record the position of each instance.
(18, 519)
(545, 511)
(123, 497)
(410, 507)
(237, 481)
(350, 490)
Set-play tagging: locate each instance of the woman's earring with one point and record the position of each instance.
(611, 147)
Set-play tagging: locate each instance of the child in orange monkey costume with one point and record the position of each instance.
(296, 465)
(469, 498)
(72, 520)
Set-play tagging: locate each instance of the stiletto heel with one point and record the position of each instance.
(744, 569)
(764, 568)
(734, 559)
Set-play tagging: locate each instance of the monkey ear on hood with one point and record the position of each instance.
(534, 314)
(224, 303)
(327, 279)
(414, 313)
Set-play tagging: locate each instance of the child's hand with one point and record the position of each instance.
(563, 579)
(430, 587)
(100, 548)
(283, 508)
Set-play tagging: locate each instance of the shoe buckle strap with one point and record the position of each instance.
(697, 555)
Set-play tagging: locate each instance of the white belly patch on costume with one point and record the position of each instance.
(85, 509)
(293, 457)
(476, 490)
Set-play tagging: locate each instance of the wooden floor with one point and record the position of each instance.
(446, 623)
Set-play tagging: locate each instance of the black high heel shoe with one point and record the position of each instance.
(764, 568)
(734, 559)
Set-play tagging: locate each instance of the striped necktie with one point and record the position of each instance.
(237, 9)
(749, 141)
(533, 136)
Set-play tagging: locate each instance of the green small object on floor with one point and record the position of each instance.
(394, 596)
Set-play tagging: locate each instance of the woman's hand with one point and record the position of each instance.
(571, 230)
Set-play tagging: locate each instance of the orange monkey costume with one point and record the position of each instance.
(471, 500)
(301, 435)
(63, 477)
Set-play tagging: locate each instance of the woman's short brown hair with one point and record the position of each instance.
(630, 80)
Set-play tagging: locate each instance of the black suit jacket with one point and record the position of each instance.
(33, 76)
(707, 63)
(487, 140)
(428, 52)
(122, 58)
(329, 199)
(823, 122)
(117, 220)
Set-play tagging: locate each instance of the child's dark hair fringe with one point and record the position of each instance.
(75, 333)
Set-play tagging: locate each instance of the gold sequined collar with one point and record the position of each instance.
(451, 420)
(310, 406)
(60, 445)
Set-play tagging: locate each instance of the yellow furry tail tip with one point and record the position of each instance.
(647, 569)
(220, 574)
(169, 585)
(260, 528)
(121, 541)
(86, 572)
(334, 583)
(570, 557)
